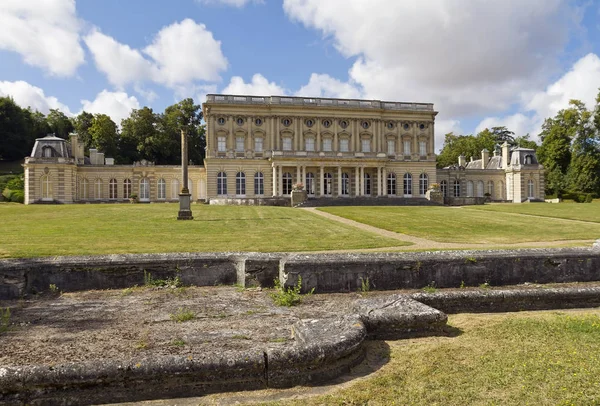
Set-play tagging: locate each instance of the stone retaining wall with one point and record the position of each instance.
(323, 272)
(447, 269)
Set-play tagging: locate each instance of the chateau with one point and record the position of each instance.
(259, 147)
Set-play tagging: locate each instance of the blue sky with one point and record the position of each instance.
(481, 63)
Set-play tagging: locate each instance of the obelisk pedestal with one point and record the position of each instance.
(185, 208)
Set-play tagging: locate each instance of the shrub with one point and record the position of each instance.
(17, 196)
(589, 198)
(288, 296)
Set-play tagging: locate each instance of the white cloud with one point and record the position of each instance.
(581, 82)
(323, 85)
(26, 95)
(44, 32)
(180, 54)
(443, 127)
(117, 105)
(121, 64)
(184, 52)
(232, 3)
(468, 57)
(259, 86)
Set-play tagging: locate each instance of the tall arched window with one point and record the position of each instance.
(287, 183)
(47, 152)
(127, 188)
(112, 189)
(530, 189)
(85, 188)
(391, 184)
(222, 184)
(46, 187)
(490, 188)
(98, 189)
(240, 184)
(345, 184)
(444, 188)
(407, 185)
(367, 185)
(456, 188)
(480, 188)
(161, 193)
(144, 189)
(175, 189)
(310, 184)
(423, 184)
(469, 189)
(259, 184)
(327, 184)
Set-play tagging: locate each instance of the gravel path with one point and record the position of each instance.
(425, 244)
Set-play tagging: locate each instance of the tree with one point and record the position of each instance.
(103, 133)
(523, 141)
(82, 124)
(139, 136)
(467, 145)
(59, 123)
(584, 171)
(185, 116)
(502, 135)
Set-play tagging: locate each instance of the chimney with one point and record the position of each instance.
(462, 161)
(505, 156)
(93, 156)
(485, 157)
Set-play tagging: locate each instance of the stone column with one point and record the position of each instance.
(280, 181)
(185, 210)
(384, 181)
(357, 181)
(303, 177)
(274, 180)
(378, 181)
(339, 178)
(298, 174)
(322, 182)
(362, 181)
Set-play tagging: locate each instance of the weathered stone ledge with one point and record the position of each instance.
(509, 300)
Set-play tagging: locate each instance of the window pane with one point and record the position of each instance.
(366, 145)
(287, 144)
(327, 144)
(258, 145)
(391, 146)
(344, 145)
(310, 144)
(239, 144)
(221, 145)
(406, 147)
(422, 148)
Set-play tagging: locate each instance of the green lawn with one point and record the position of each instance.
(572, 211)
(49, 230)
(467, 225)
(529, 358)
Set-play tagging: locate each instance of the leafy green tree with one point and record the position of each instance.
(139, 135)
(523, 141)
(185, 116)
(502, 135)
(18, 129)
(103, 133)
(467, 145)
(81, 125)
(584, 171)
(59, 123)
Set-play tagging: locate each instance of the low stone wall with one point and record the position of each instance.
(323, 272)
(446, 269)
(248, 201)
(463, 201)
(488, 301)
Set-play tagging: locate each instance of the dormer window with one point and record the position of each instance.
(47, 152)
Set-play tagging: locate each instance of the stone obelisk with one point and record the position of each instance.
(185, 209)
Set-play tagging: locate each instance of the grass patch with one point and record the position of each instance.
(183, 315)
(83, 229)
(466, 225)
(535, 358)
(4, 320)
(569, 211)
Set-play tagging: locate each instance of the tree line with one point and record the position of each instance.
(569, 149)
(145, 134)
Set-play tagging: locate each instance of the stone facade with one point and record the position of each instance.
(259, 147)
